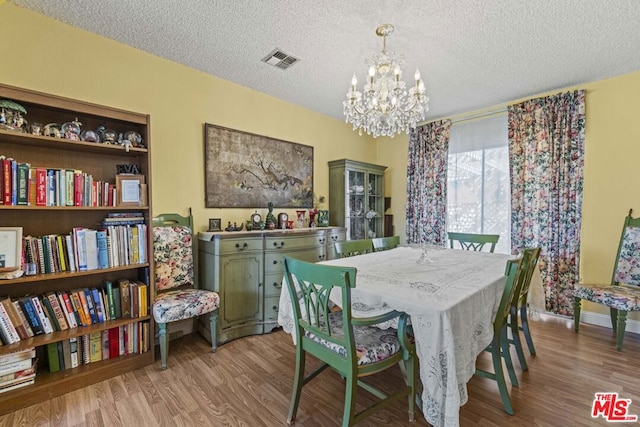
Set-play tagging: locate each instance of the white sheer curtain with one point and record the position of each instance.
(478, 190)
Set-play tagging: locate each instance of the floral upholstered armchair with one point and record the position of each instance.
(177, 297)
(623, 294)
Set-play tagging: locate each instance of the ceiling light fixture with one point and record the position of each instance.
(385, 107)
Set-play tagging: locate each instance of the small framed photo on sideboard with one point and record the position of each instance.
(215, 224)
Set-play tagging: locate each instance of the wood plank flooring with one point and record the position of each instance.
(247, 383)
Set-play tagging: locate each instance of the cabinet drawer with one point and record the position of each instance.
(284, 243)
(240, 245)
(333, 236)
(273, 260)
(271, 305)
(273, 284)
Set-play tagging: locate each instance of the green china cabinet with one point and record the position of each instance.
(356, 198)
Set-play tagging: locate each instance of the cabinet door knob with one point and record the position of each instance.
(275, 262)
(276, 284)
(275, 308)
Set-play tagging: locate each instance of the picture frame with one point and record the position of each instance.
(215, 224)
(129, 190)
(245, 170)
(10, 248)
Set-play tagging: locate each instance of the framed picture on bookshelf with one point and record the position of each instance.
(10, 248)
(129, 190)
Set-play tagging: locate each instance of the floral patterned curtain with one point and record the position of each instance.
(427, 183)
(546, 156)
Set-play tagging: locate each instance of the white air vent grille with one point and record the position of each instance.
(279, 59)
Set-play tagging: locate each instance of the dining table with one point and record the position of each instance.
(451, 296)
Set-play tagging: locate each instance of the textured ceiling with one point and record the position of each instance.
(472, 54)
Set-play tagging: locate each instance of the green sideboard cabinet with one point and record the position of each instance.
(245, 268)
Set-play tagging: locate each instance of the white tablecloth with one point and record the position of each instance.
(452, 302)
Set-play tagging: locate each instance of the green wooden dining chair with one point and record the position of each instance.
(499, 346)
(519, 307)
(622, 295)
(474, 242)
(351, 346)
(349, 248)
(384, 243)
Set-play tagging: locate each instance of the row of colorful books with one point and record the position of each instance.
(22, 184)
(17, 369)
(86, 249)
(124, 340)
(32, 315)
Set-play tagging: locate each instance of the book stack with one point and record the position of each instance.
(17, 369)
(31, 315)
(22, 184)
(123, 241)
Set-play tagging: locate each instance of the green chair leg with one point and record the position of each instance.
(524, 317)
(164, 343)
(348, 417)
(622, 325)
(504, 348)
(213, 327)
(502, 385)
(576, 314)
(298, 382)
(515, 338)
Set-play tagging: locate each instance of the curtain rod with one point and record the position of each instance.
(460, 118)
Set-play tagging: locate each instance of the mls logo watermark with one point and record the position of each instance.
(612, 408)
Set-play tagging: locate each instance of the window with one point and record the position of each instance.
(478, 190)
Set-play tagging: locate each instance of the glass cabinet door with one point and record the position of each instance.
(356, 187)
(375, 209)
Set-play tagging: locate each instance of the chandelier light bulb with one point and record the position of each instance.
(385, 107)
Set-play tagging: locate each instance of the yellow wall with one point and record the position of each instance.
(46, 55)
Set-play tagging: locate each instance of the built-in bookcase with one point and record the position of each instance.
(100, 161)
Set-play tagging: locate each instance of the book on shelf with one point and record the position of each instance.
(66, 353)
(23, 318)
(7, 329)
(143, 291)
(18, 365)
(71, 259)
(135, 299)
(92, 309)
(17, 385)
(14, 377)
(46, 324)
(62, 253)
(67, 309)
(95, 347)
(14, 318)
(85, 349)
(117, 302)
(18, 355)
(41, 187)
(73, 348)
(58, 313)
(53, 359)
(32, 316)
(22, 187)
(105, 344)
(122, 343)
(46, 306)
(109, 303)
(91, 242)
(80, 248)
(114, 342)
(125, 298)
(98, 304)
(79, 307)
(103, 254)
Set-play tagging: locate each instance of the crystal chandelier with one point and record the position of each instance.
(385, 107)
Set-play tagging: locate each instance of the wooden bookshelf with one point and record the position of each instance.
(100, 161)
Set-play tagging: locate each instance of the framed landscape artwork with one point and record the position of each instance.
(244, 170)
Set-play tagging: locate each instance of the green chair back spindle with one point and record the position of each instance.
(351, 346)
(473, 242)
(385, 243)
(349, 248)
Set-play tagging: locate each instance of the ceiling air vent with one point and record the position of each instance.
(279, 59)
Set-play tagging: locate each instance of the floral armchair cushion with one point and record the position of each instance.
(182, 304)
(372, 344)
(173, 257)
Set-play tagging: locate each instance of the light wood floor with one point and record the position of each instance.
(247, 382)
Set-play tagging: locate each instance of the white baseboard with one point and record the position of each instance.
(604, 320)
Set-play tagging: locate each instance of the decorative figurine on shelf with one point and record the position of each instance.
(301, 215)
(372, 226)
(323, 218)
(71, 130)
(234, 227)
(270, 218)
(11, 116)
(312, 217)
(107, 136)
